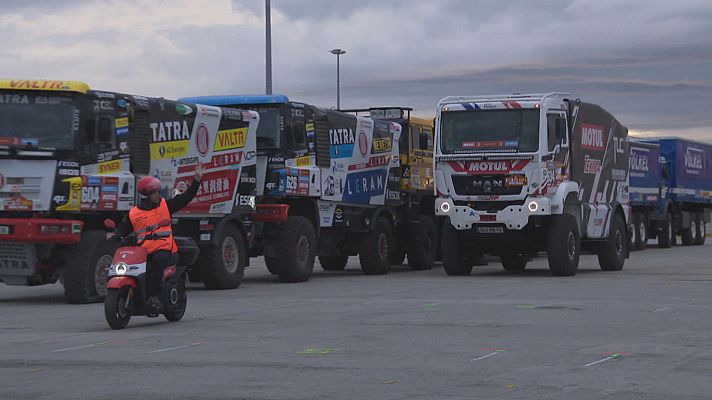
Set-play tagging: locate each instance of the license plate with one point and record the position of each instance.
(4, 230)
(490, 229)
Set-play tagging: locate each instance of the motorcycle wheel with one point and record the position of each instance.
(116, 308)
(175, 301)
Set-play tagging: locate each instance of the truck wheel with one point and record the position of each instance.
(689, 235)
(701, 229)
(87, 267)
(272, 265)
(666, 236)
(376, 248)
(612, 252)
(514, 262)
(221, 265)
(333, 263)
(634, 241)
(455, 260)
(421, 246)
(115, 311)
(642, 232)
(563, 245)
(297, 248)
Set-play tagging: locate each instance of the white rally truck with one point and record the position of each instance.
(516, 175)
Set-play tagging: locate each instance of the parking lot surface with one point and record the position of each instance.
(642, 333)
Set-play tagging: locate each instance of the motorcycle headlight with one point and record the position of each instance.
(121, 268)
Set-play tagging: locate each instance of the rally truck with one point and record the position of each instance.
(69, 158)
(416, 233)
(327, 184)
(670, 191)
(519, 174)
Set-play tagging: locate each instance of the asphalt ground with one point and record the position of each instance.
(642, 333)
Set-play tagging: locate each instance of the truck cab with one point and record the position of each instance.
(515, 174)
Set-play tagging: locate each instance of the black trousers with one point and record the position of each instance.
(157, 262)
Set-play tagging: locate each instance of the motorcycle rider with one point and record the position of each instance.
(150, 211)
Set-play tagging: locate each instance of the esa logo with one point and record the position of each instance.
(59, 199)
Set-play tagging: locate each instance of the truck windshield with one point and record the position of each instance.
(475, 131)
(268, 130)
(44, 125)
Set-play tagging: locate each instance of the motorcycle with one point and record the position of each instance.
(126, 288)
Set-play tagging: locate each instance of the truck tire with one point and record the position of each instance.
(563, 245)
(297, 247)
(701, 229)
(612, 252)
(333, 263)
(398, 257)
(666, 236)
(642, 233)
(272, 265)
(689, 235)
(375, 250)
(633, 229)
(455, 262)
(221, 265)
(85, 273)
(514, 262)
(421, 246)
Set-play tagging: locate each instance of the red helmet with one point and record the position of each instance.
(148, 184)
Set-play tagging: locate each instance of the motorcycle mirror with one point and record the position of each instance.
(109, 223)
(165, 222)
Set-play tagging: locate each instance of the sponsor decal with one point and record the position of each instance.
(250, 155)
(362, 143)
(515, 180)
(591, 165)
(107, 156)
(638, 162)
(489, 144)
(39, 85)
(163, 150)
(183, 109)
(202, 140)
(592, 137)
(230, 139)
(304, 161)
(382, 145)
(169, 131)
(18, 203)
(361, 186)
(487, 167)
(109, 167)
(618, 174)
(376, 161)
(14, 99)
(693, 160)
(392, 195)
(122, 126)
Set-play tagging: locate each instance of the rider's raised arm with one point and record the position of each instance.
(182, 200)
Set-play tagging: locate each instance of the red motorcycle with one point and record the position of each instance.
(126, 288)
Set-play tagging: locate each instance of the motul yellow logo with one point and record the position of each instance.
(382, 145)
(231, 139)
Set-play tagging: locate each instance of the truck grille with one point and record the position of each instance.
(468, 185)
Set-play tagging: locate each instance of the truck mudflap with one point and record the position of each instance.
(40, 230)
(514, 217)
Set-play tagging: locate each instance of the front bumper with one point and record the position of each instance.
(514, 217)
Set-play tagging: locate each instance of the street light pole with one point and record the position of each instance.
(338, 53)
(268, 48)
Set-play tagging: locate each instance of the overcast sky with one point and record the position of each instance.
(648, 62)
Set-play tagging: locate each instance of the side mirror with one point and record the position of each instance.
(560, 129)
(665, 171)
(109, 223)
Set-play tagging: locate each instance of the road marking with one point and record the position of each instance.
(80, 347)
(318, 351)
(661, 309)
(174, 348)
(388, 382)
(612, 356)
(490, 354)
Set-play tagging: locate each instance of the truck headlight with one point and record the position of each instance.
(445, 207)
(533, 206)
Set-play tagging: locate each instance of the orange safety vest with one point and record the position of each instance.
(146, 222)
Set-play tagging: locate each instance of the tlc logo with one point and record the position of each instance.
(619, 145)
